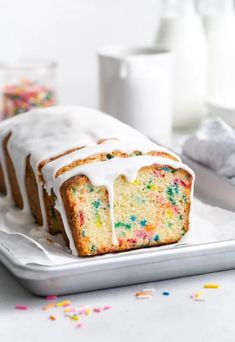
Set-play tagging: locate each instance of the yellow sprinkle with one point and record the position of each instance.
(88, 312)
(63, 303)
(75, 318)
(169, 214)
(98, 221)
(198, 294)
(67, 310)
(211, 286)
(136, 182)
(153, 187)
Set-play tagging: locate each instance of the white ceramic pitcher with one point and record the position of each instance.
(135, 87)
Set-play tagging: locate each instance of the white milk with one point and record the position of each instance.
(184, 36)
(220, 33)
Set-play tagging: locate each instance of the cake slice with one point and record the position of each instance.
(124, 203)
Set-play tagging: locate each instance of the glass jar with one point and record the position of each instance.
(26, 84)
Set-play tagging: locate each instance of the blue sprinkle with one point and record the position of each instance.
(133, 218)
(166, 293)
(96, 204)
(143, 223)
(156, 238)
(165, 169)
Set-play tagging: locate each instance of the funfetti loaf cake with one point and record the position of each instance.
(100, 183)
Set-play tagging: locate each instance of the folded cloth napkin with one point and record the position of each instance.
(213, 145)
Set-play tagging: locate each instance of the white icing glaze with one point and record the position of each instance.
(46, 133)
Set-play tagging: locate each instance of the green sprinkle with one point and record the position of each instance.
(93, 248)
(109, 156)
(184, 197)
(170, 191)
(90, 188)
(138, 153)
(122, 224)
(74, 190)
(170, 224)
(181, 217)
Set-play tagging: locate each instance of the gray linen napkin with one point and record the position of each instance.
(213, 145)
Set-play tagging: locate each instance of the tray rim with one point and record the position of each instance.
(34, 271)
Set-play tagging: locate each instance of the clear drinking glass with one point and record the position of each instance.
(26, 84)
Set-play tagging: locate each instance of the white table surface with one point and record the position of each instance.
(173, 318)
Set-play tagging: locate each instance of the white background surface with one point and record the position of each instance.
(71, 31)
(161, 319)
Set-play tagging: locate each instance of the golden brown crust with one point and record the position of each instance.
(15, 190)
(32, 192)
(3, 189)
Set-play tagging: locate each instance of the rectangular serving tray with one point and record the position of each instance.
(136, 267)
(133, 268)
(210, 187)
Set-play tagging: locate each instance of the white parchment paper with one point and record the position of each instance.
(31, 244)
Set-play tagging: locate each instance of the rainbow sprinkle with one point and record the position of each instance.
(107, 307)
(21, 307)
(49, 306)
(64, 303)
(211, 286)
(145, 294)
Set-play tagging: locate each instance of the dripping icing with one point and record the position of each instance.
(104, 173)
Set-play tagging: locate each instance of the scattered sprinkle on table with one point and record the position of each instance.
(211, 286)
(21, 307)
(52, 318)
(79, 325)
(64, 303)
(97, 310)
(49, 306)
(107, 307)
(166, 293)
(144, 294)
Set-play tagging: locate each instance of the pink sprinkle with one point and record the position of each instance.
(98, 310)
(21, 307)
(107, 307)
(79, 325)
(51, 297)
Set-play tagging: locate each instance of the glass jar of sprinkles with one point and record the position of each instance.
(26, 84)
